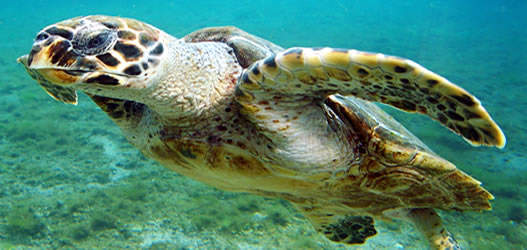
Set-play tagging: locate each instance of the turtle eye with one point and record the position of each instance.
(94, 43)
(98, 41)
(41, 37)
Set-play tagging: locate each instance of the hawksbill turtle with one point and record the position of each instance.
(242, 114)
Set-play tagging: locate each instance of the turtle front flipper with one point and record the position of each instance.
(404, 84)
(430, 225)
(247, 48)
(347, 229)
(125, 113)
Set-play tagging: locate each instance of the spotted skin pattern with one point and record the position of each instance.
(429, 223)
(126, 113)
(348, 229)
(135, 50)
(238, 112)
(398, 82)
(98, 43)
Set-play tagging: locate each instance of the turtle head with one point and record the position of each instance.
(96, 54)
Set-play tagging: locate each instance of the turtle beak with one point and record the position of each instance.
(57, 92)
(52, 59)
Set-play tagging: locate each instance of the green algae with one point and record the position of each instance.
(517, 213)
(22, 222)
(7, 245)
(512, 233)
(79, 232)
(134, 192)
(103, 221)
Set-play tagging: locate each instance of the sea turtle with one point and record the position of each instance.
(242, 114)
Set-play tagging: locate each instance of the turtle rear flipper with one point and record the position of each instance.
(350, 229)
(347, 229)
(429, 224)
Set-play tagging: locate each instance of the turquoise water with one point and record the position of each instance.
(69, 179)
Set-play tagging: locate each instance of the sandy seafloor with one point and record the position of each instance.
(68, 179)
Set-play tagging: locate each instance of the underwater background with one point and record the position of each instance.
(68, 178)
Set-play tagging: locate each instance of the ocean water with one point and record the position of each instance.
(68, 179)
